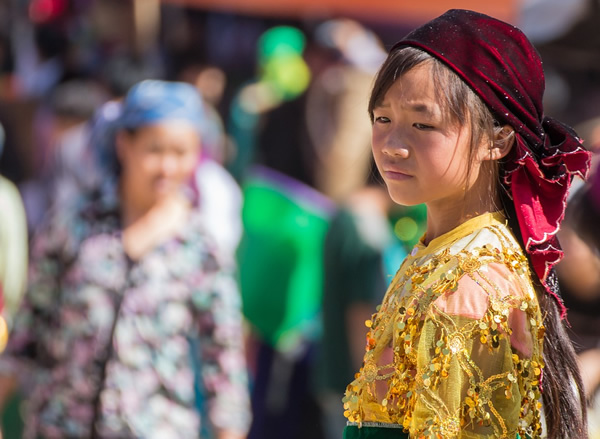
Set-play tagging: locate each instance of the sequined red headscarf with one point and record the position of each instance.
(504, 69)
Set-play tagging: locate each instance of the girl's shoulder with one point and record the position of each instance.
(484, 239)
(492, 244)
(495, 237)
(486, 271)
(492, 248)
(477, 264)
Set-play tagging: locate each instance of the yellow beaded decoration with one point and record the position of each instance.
(474, 368)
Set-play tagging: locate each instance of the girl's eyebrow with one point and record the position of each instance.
(382, 105)
(417, 107)
(421, 108)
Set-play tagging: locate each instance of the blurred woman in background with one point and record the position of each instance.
(131, 326)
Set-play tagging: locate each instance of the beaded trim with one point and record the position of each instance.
(373, 424)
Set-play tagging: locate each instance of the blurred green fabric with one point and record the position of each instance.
(12, 424)
(280, 258)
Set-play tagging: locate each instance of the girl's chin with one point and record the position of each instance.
(403, 200)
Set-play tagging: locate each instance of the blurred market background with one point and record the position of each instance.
(46, 43)
(285, 83)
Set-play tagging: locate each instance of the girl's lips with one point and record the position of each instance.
(396, 175)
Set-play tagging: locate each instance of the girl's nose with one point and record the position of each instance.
(396, 149)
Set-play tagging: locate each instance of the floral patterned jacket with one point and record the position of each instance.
(112, 348)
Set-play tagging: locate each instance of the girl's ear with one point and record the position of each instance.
(499, 147)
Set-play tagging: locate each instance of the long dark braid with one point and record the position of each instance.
(562, 388)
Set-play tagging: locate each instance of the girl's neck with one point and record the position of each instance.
(442, 218)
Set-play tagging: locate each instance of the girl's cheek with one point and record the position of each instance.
(378, 140)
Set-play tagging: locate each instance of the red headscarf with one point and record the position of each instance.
(504, 69)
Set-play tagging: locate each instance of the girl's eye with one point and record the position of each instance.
(422, 126)
(382, 119)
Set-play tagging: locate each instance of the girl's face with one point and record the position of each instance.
(158, 159)
(422, 155)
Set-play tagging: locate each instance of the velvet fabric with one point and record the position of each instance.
(504, 69)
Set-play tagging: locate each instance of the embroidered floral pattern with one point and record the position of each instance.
(173, 359)
(465, 333)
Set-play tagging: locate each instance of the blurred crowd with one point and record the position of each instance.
(192, 230)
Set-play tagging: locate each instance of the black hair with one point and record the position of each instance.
(562, 387)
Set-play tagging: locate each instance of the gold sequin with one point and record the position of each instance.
(524, 306)
(469, 265)
(456, 343)
(370, 372)
(450, 427)
(417, 279)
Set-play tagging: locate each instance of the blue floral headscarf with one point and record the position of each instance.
(155, 101)
(148, 102)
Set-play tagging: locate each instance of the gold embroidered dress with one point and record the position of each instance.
(455, 349)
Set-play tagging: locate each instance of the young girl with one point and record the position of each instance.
(469, 342)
